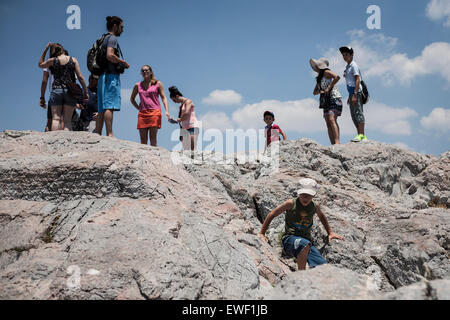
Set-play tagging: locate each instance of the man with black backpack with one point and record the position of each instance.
(356, 98)
(105, 59)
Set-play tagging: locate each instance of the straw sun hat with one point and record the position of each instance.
(320, 64)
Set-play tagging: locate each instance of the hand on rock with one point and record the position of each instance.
(263, 237)
(333, 235)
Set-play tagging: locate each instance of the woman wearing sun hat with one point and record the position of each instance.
(299, 216)
(330, 97)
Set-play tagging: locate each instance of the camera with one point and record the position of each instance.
(120, 68)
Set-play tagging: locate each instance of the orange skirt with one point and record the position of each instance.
(149, 119)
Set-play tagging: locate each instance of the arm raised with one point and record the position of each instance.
(273, 214)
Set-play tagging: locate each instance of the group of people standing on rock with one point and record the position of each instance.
(331, 99)
(102, 96)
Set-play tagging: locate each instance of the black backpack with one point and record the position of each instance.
(365, 93)
(96, 57)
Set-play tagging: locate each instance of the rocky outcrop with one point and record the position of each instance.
(90, 217)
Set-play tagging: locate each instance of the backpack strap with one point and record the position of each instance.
(120, 51)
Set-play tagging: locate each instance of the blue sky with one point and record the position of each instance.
(235, 59)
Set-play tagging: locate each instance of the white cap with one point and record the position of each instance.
(308, 186)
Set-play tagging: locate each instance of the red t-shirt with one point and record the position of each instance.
(272, 133)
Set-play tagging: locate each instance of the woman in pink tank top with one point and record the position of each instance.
(187, 119)
(149, 116)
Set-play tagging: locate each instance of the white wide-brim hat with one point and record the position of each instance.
(320, 64)
(308, 186)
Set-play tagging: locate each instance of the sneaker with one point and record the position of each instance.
(358, 138)
(363, 138)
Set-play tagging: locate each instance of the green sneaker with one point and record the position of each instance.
(358, 138)
(363, 138)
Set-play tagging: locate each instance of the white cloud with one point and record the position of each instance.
(435, 59)
(403, 145)
(364, 46)
(438, 119)
(223, 97)
(304, 116)
(299, 115)
(438, 10)
(216, 120)
(387, 119)
(377, 57)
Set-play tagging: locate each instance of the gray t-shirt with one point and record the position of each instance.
(111, 42)
(350, 72)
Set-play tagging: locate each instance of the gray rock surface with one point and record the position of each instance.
(90, 217)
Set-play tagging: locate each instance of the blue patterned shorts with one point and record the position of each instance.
(108, 92)
(293, 245)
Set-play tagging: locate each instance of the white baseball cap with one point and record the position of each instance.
(308, 186)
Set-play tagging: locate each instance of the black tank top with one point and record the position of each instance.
(62, 74)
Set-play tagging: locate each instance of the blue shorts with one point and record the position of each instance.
(293, 245)
(108, 92)
(193, 131)
(61, 97)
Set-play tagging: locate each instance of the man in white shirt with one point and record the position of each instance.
(352, 76)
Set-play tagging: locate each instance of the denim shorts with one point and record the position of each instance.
(193, 131)
(293, 245)
(60, 97)
(335, 108)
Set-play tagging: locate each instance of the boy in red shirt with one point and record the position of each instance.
(272, 131)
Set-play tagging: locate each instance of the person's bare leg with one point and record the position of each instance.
(109, 116)
(194, 138)
(185, 136)
(154, 136)
(338, 132)
(61, 119)
(67, 116)
(143, 134)
(335, 129)
(99, 123)
(56, 117)
(302, 258)
(361, 128)
(48, 126)
(330, 130)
